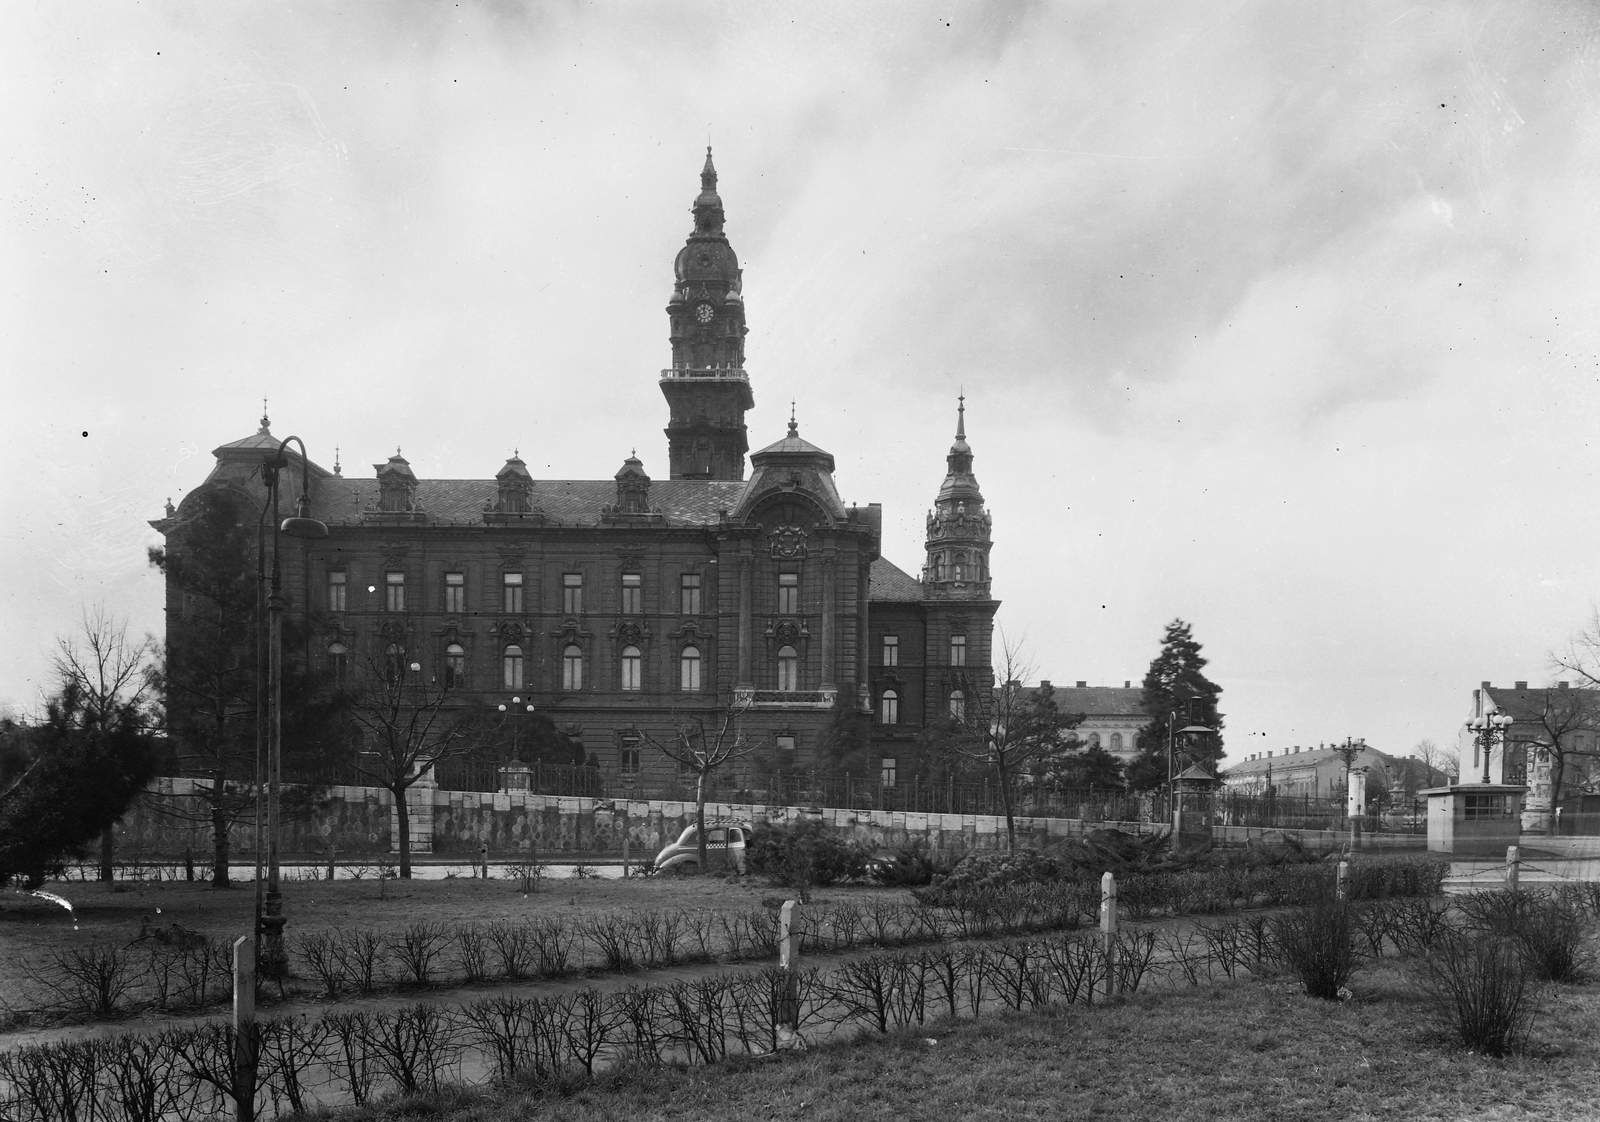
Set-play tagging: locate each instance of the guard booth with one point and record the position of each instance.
(1474, 819)
(1194, 799)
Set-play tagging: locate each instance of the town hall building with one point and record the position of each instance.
(622, 606)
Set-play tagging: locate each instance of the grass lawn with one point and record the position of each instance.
(1252, 1049)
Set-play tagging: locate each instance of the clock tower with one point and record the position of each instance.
(706, 387)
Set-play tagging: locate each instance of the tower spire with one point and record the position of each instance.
(706, 388)
(958, 527)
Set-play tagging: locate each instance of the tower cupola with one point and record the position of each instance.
(958, 542)
(706, 387)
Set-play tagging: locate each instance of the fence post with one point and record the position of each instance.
(627, 832)
(483, 860)
(1513, 864)
(1108, 930)
(331, 856)
(244, 1029)
(789, 971)
(1341, 881)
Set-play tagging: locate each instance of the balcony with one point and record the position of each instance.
(705, 374)
(785, 699)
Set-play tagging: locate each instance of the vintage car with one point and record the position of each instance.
(724, 849)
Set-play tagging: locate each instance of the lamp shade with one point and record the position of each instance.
(304, 528)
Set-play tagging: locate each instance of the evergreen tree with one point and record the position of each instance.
(1176, 694)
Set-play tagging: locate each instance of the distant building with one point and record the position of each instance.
(1112, 716)
(1539, 715)
(1318, 773)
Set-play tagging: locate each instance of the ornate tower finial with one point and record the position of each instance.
(337, 470)
(266, 425)
(961, 417)
(794, 429)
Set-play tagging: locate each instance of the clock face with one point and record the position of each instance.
(703, 313)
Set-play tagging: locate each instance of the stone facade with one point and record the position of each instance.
(619, 608)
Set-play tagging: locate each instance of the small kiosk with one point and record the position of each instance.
(1193, 807)
(1474, 819)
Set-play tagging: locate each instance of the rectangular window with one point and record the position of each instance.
(335, 592)
(1480, 807)
(395, 591)
(788, 594)
(891, 650)
(886, 772)
(691, 594)
(785, 743)
(572, 594)
(455, 592)
(511, 594)
(632, 594)
(958, 650)
(630, 758)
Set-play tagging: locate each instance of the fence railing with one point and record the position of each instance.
(918, 794)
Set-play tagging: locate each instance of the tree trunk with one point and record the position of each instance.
(1005, 802)
(402, 821)
(1558, 770)
(700, 815)
(219, 838)
(107, 852)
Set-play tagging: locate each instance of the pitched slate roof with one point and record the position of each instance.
(891, 584)
(577, 502)
(1097, 701)
(1311, 758)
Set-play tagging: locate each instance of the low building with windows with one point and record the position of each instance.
(618, 607)
(1540, 718)
(1319, 772)
(1112, 716)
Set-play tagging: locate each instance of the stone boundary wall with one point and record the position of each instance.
(361, 822)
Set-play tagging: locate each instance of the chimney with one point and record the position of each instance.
(1520, 686)
(1561, 685)
(1486, 685)
(1044, 683)
(1083, 685)
(1269, 753)
(1129, 685)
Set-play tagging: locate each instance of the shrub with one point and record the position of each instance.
(1552, 935)
(997, 870)
(805, 855)
(911, 867)
(1317, 942)
(1482, 987)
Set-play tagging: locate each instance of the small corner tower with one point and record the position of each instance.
(958, 528)
(706, 387)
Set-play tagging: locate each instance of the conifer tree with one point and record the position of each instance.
(1176, 694)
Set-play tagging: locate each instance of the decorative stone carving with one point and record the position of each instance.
(788, 542)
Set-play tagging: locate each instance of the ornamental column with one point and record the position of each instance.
(745, 561)
(828, 611)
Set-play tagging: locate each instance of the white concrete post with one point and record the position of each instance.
(789, 967)
(244, 1029)
(1108, 930)
(331, 856)
(1342, 881)
(1513, 864)
(483, 860)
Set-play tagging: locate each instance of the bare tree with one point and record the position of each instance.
(410, 724)
(703, 750)
(1443, 761)
(104, 682)
(1007, 727)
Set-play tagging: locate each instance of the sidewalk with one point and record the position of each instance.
(1541, 860)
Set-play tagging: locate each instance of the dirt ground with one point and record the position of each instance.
(29, 926)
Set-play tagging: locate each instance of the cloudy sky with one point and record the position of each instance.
(1276, 317)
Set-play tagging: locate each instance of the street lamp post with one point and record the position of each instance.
(1486, 729)
(516, 709)
(269, 912)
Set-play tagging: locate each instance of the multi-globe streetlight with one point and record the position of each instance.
(1486, 729)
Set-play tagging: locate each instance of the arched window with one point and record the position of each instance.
(631, 667)
(889, 708)
(1116, 742)
(394, 663)
(958, 705)
(511, 664)
(572, 667)
(961, 565)
(338, 662)
(788, 669)
(455, 667)
(1094, 740)
(689, 670)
